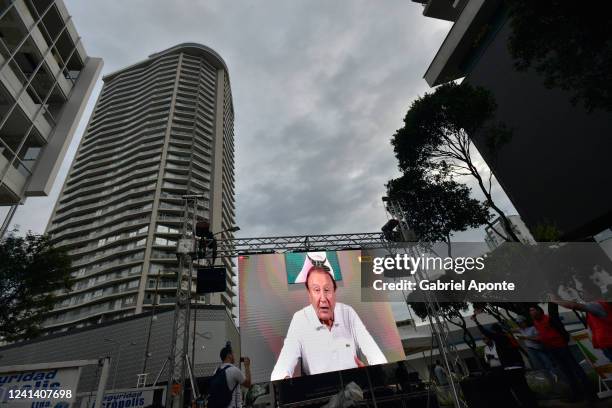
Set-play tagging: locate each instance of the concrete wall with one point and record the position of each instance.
(214, 328)
(556, 169)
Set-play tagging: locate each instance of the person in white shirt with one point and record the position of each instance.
(325, 335)
(490, 353)
(234, 377)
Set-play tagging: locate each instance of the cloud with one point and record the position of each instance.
(319, 88)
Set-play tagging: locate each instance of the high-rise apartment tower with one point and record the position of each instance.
(46, 78)
(161, 128)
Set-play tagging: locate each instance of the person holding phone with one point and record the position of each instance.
(227, 379)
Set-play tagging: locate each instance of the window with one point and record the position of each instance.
(163, 229)
(133, 284)
(135, 269)
(164, 242)
(155, 268)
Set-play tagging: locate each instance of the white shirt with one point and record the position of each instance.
(321, 349)
(234, 378)
(491, 356)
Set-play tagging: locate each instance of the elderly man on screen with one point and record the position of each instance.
(325, 335)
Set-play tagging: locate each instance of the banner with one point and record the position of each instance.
(44, 388)
(126, 398)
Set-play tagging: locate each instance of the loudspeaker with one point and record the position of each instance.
(211, 280)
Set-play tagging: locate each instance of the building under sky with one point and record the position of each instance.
(46, 78)
(161, 128)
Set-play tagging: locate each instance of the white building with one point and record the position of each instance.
(161, 128)
(46, 78)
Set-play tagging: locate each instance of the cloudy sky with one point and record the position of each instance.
(319, 88)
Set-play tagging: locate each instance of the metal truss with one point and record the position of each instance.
(299, 243)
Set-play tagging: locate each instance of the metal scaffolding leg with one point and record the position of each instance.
(179, 347)
(439, 327)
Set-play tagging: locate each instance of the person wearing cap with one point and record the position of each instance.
(325, 335)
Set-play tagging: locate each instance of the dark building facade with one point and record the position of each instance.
(556, 167)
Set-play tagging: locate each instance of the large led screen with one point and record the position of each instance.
(302, 314)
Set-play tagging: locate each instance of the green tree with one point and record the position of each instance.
(568, 43)
(436, 135)
(30, 270)
(436, 205)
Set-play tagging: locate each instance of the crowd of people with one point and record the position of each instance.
(544, 342)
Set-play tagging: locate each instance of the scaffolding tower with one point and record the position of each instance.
(179, 368)
(439, 326)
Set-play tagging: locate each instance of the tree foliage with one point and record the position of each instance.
(569, 43)
(435, 139)
(436, 205)
(30, 270)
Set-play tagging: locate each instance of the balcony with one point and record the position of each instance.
(92, 225)
(120, 167)
(98, 233)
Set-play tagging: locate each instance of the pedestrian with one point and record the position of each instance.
(440, 374)
(538, 356)
(553, 336)
(490, 353)
(598, 314)
(224, 385)
(509, 363)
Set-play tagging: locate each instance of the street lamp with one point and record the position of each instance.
(119, 345)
